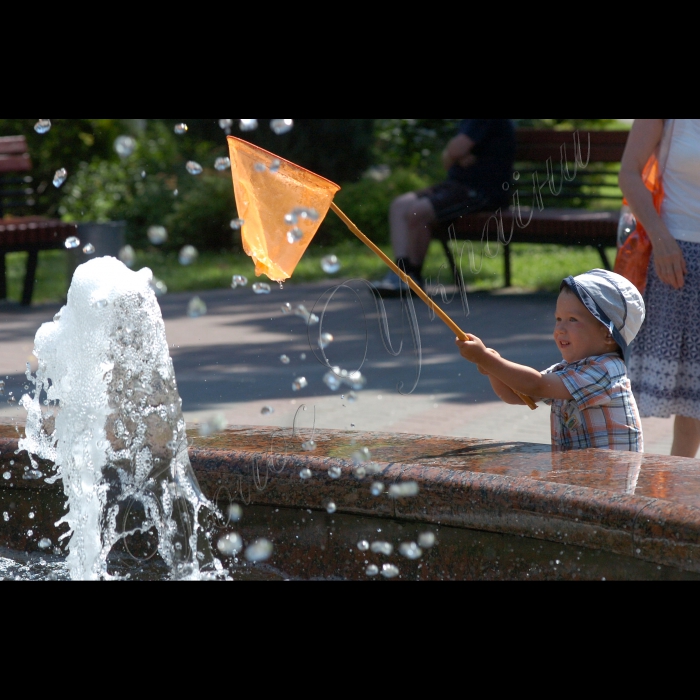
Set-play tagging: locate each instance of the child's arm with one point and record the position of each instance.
(503, 391)
(525, 380)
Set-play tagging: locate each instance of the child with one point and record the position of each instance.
(598, 315)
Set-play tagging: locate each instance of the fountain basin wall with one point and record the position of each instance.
(646, 507)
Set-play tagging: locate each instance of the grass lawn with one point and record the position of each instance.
(536, 267)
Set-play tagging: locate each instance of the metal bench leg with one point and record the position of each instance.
(29, 276)
(604, 258)
(506, 264)
(3, 278)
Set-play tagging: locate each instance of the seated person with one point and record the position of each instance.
(478, 160)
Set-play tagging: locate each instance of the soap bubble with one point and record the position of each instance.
(127, 255)
(426, 539)
(410, 550)
(180, 129)
(235, 513)
(299, 383)
(260, 550)
(330, 264)
(229, 545)
(334, 471)
(193, 168)
(325, 340)
(238, 281)
(6, 516)
(372, 570)
(157, 234)
(363, 545)
(42, 126)
(377, 488)
(309, 445)
(187, 255)
(305, 473)
(44, 543)
(236, 224)
(301, 311)
(281, 126)
(359, 472)
(59, 177)
(390, 571)
(214, 424)
(286, 308)
(302, 356)
(158, 286)
(267, 410)
(330, 507)
(31, 517)
(261, 288)
(88, 249)
(225, 124)
(275, 165)
(248, 124)
(260, 167)
(196, 308)
(352, 397)
(291, 218)
(124, 146)
(284, 360)
(7, 476)
(222, 163)
(72, 242)
(294, 235)
(382, 548)
(404, 490)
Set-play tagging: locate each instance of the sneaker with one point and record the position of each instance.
(391, 285)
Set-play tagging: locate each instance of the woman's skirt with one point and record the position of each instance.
(664, 359)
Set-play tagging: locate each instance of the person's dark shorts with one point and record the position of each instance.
(451, 199)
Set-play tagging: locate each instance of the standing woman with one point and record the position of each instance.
(664, 362)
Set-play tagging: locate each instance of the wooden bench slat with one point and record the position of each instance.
(13, 144)
(15, 163)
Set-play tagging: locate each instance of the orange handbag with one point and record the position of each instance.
(634, 252)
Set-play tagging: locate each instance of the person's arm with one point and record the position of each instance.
(504, 392)
(644, 137)
(521, 378)
(458, 152)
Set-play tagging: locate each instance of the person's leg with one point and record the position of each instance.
(686, 437)
(410, 218)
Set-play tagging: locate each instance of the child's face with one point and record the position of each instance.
(577, 333)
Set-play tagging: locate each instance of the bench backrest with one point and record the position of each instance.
(16, 194)
(593, 186)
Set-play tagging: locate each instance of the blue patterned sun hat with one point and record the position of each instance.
(613, 300)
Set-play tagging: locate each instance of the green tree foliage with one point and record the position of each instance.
(68, 143)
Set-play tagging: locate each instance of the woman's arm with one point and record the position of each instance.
(644, 137)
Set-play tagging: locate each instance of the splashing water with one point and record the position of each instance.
(117, 437)
(281, 126)
(59, 177)
(42, 126)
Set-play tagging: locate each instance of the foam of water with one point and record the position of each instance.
(106, 411)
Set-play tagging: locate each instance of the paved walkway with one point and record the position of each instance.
(227, 362)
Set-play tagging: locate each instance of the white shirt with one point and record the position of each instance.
(680, 209)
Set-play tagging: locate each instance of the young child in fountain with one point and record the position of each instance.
(598, 315)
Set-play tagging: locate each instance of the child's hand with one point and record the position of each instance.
(473, 349)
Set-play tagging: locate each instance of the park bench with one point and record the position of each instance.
(29, 234)
(566, 193)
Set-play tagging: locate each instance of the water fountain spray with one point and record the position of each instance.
(106, 411)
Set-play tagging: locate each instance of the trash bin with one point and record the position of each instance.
(107, 239)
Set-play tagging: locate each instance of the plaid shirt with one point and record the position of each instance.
(602, 411)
